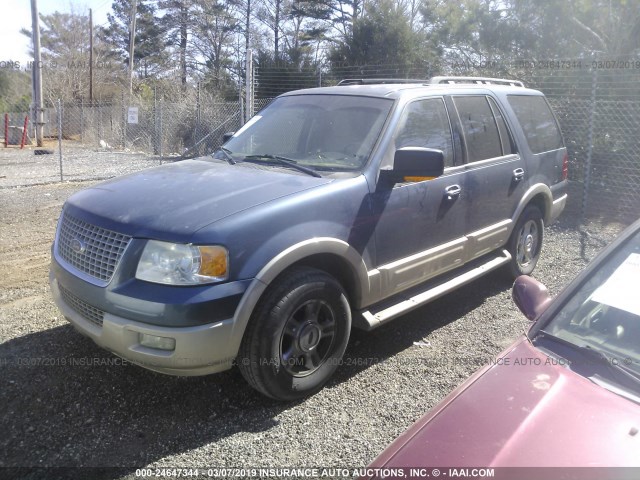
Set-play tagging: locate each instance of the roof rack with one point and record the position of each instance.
(379, 81)
(433, 81)
(476, 80)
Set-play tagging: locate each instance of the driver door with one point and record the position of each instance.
(420, 226)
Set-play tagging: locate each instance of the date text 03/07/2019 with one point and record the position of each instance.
(270, 472)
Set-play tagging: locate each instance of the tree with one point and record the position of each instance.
(15, 91)
(599, 26)
(303, 37)
(382, 37)
(472, 31)
(150, 53)
(270, 12)
(339, 15)
(215, 30)
(296, 35)
(65, 54)
(177, 22)
(569, 29)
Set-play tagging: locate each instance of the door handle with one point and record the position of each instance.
(518, 174)
(452, 192)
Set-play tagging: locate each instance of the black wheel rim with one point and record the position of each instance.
(308, 337)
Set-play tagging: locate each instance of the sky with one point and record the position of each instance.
(17, 15)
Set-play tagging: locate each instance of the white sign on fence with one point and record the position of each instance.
(132, 115)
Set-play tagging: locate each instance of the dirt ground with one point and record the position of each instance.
(66, 403)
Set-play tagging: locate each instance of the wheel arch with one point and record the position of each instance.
(342, 260)
(539, 195)
(339, 269)
(333, 256)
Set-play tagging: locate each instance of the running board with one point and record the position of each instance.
(385, 311)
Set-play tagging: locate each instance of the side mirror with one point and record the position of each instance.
(227, 136)
(531, 296)
(415, 164)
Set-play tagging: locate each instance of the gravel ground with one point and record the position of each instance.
(66, 403)
(23, 167)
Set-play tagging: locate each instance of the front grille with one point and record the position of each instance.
(93, 250)
(93, 314)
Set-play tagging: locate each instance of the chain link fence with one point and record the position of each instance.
(155, 126)
(613, 183)
(597, 103)
(187, 127)
(599, 112)
(596, 100)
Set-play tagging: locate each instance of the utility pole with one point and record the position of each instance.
(248, 25)
(90, 57)
(37, 73)
(249, 85)
(184, 20)
(132, 38)
(248, 105)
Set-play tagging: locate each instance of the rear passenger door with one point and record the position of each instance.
(495, 176)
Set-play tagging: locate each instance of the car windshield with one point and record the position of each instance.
(604, 313)
(322, 132)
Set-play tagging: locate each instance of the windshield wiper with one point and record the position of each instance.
(283, 161)
(612, 363)
(227, 155)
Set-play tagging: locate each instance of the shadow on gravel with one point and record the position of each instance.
(400, 334)
(75, 405)
(593, 236)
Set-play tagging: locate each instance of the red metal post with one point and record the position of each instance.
(6, 130)
(24, 132)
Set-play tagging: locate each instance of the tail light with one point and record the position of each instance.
(565, 166)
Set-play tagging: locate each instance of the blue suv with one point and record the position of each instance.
(333, 208)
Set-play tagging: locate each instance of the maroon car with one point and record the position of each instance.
(565, 395)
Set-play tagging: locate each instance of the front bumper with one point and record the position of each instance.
(199, 349)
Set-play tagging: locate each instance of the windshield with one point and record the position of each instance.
(604, 313)
(323, 132)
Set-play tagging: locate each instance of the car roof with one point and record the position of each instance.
(398, 90)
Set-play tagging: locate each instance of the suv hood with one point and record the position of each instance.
(515, 415)
(173, 201)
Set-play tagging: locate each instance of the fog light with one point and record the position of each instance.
(161, 343)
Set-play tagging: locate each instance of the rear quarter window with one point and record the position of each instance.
(538, 123)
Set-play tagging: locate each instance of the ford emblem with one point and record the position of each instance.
(77, 246)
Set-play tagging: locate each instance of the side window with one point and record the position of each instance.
(505, 136)
(425, 123)
(537, 122)
(479, 127)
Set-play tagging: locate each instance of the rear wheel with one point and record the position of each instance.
(525, 243)
(297, 335)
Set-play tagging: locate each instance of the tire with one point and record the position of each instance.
(525, 242)
(296, 336)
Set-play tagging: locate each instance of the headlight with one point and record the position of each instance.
(179, 264)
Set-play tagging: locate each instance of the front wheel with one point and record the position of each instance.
(525, 243)
(297, 335)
